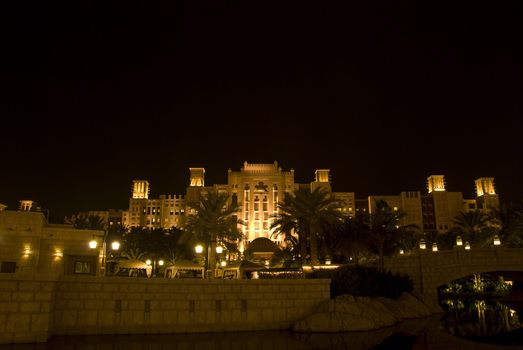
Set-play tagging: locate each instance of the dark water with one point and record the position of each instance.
(426, 333)
(493, 321)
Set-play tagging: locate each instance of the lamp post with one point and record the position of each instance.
(93, 244)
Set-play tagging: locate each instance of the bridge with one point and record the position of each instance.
(429, 270)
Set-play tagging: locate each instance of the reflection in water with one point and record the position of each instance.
(418, 334)
(480, 319)
(423, 334)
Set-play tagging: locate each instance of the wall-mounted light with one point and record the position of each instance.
(93, 244)
(459, 241)
(422, 244)
(434, 247)
(467, 246)
(497, 241)
(402, 251)
(27, 250)
(58, 253)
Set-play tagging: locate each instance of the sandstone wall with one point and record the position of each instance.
(34, 309)
(26, 307)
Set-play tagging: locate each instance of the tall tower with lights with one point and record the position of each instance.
(486, 197)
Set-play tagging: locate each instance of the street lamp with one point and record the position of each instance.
(93, 244)
(115, 245)
(219, 249)
(198, 249)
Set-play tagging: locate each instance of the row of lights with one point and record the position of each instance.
(459, 242)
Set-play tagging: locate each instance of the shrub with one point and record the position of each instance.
(368, 281)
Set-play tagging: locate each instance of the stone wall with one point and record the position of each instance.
(35, 309)
(26, 308)
(429, 270)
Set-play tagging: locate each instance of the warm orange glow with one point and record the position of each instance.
(197, 177)
(322, 175)
(485, 185)
(436, 183)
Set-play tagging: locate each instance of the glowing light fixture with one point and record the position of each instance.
(327, 261)
(223, 263)
(160, 262)
(459, 241)
(467, 246)
(219, 249)
(93, 244)
(115, 245)
(402, 251)
(422, 244)
(198, 248)
(27, 250)
(148, 262)
(497, 241)
(58, 253)
(434, 247)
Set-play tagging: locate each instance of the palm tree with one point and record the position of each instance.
(385, 233)
(350, 239)
(307, 213)
(474, 226)
(509, 224)
(214, 221)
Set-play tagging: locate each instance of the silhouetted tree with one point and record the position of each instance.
(309, 214)
(214, 221)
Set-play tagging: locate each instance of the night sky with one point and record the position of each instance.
(382, 93)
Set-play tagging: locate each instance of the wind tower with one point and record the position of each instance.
(486, 197)
(140, 189)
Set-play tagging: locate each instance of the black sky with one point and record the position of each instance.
(382, 93)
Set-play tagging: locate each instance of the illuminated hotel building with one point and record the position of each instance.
(164, 212)
(436, 210)
(257, 188)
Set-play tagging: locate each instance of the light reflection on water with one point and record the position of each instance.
(426, 333)
(481, 319)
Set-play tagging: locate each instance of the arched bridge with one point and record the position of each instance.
(429, 269)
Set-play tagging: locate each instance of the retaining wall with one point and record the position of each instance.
(32, 310)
